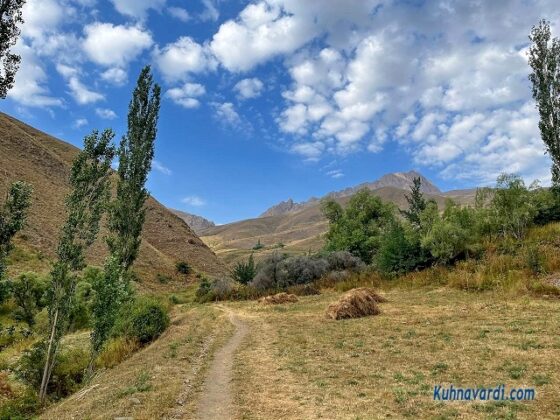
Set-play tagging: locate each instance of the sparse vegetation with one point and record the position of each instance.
(244, 272)
(183, 268)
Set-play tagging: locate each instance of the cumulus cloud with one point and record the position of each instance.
(179, 13)
(114, 45)
(210, 12)
(249, 88)
(80, 122)
(137, 8)
(81, 93)
(194, 200)
(225, 112)
(187, 94)
(106, 113)
(115, 76)
(182, 57)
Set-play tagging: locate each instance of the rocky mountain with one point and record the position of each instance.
(299, 227)
(196, 223)
(30, 155)
(400, 180)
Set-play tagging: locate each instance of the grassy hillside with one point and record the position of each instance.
(30, 155)
(298, 231)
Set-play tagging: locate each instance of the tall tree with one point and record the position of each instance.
(127, 211)
(416, 203)
(10, 17)
(85, 205)
(544, 59)
(13, 216)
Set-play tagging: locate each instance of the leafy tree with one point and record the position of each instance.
(28, 291)
(416, 202)
(399, 251)
(85, 205)
(13, 216)
(544, 59)
(357, 228)
(10, 18)
(244, 272)
(258, 245)
(127, 211)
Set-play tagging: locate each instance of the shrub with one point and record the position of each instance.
(399, 251)
(80, 315)
(162, 278)
(244, 272)
(344, 260)
(24, 406)
(29, 294)
(145, 319)
(5, 291)
(258, 245)
(116, 351)
(68, 372)
(183, 267)
(535, 260)
(267, 273)
(203, 290)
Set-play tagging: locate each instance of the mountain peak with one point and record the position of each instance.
(196, 223)
(401, 180)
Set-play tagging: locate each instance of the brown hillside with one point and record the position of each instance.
(33, 156)
(299, 231)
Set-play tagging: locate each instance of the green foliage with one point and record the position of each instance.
(547, 205)
(127, 212)
(13, 215)
(416, 202)
(85, 205)
(359, 227)
(28, 291)
(204, 288)
(244, 272)
(143, 320)
(5, 291)
(22, 407)
(183, 267)
(10, 22)
(258, 245)
(162, 278)
(544, 59)
(67, 375)
(400, 250)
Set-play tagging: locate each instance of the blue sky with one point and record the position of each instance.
(272, 99)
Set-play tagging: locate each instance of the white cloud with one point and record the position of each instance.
(179, 13)
(194, 200)
(30, 88)
(106, 113)
(335, 173)
(210, 12)
(249, 88)
(137, 8)
(115, 45)
(225, 112)
(81, 94)
(158, 166)
(184, 56)
(186, 95)
(41, 16)
(115, 76)
(80, 122)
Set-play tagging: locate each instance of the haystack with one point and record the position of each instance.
(279, 298)
(356, 303)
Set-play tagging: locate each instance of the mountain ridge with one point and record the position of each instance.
(196, 222)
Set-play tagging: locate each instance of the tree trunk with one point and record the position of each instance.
(48, 362)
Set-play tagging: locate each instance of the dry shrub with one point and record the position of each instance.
(116, 351)
(304, 290)
(279, 298)
(356, 303)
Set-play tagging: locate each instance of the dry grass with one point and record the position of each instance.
(356, 303)
(296, 364)
(278, 299)
(148, 384)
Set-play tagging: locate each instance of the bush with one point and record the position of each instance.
(68, 372)
(183, 267)
(258, 245)
(29, 294)
(204, 289)
(116, 351)
(145, 319)
(24, 406)
(344, 260)
(5, 291)
(244, 272)
(400, 251)
(267, 272)
(162, 278)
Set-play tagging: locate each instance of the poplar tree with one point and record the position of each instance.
(10, 17)
(13, 215)
(544, 59)
(127, 211)
(85, 205)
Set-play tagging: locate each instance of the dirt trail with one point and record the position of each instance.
(216, 397)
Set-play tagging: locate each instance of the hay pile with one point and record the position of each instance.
(356, 303)
(278, 299)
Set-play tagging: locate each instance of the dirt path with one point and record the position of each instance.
(216, 399)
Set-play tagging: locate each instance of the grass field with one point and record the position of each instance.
(294, 363)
